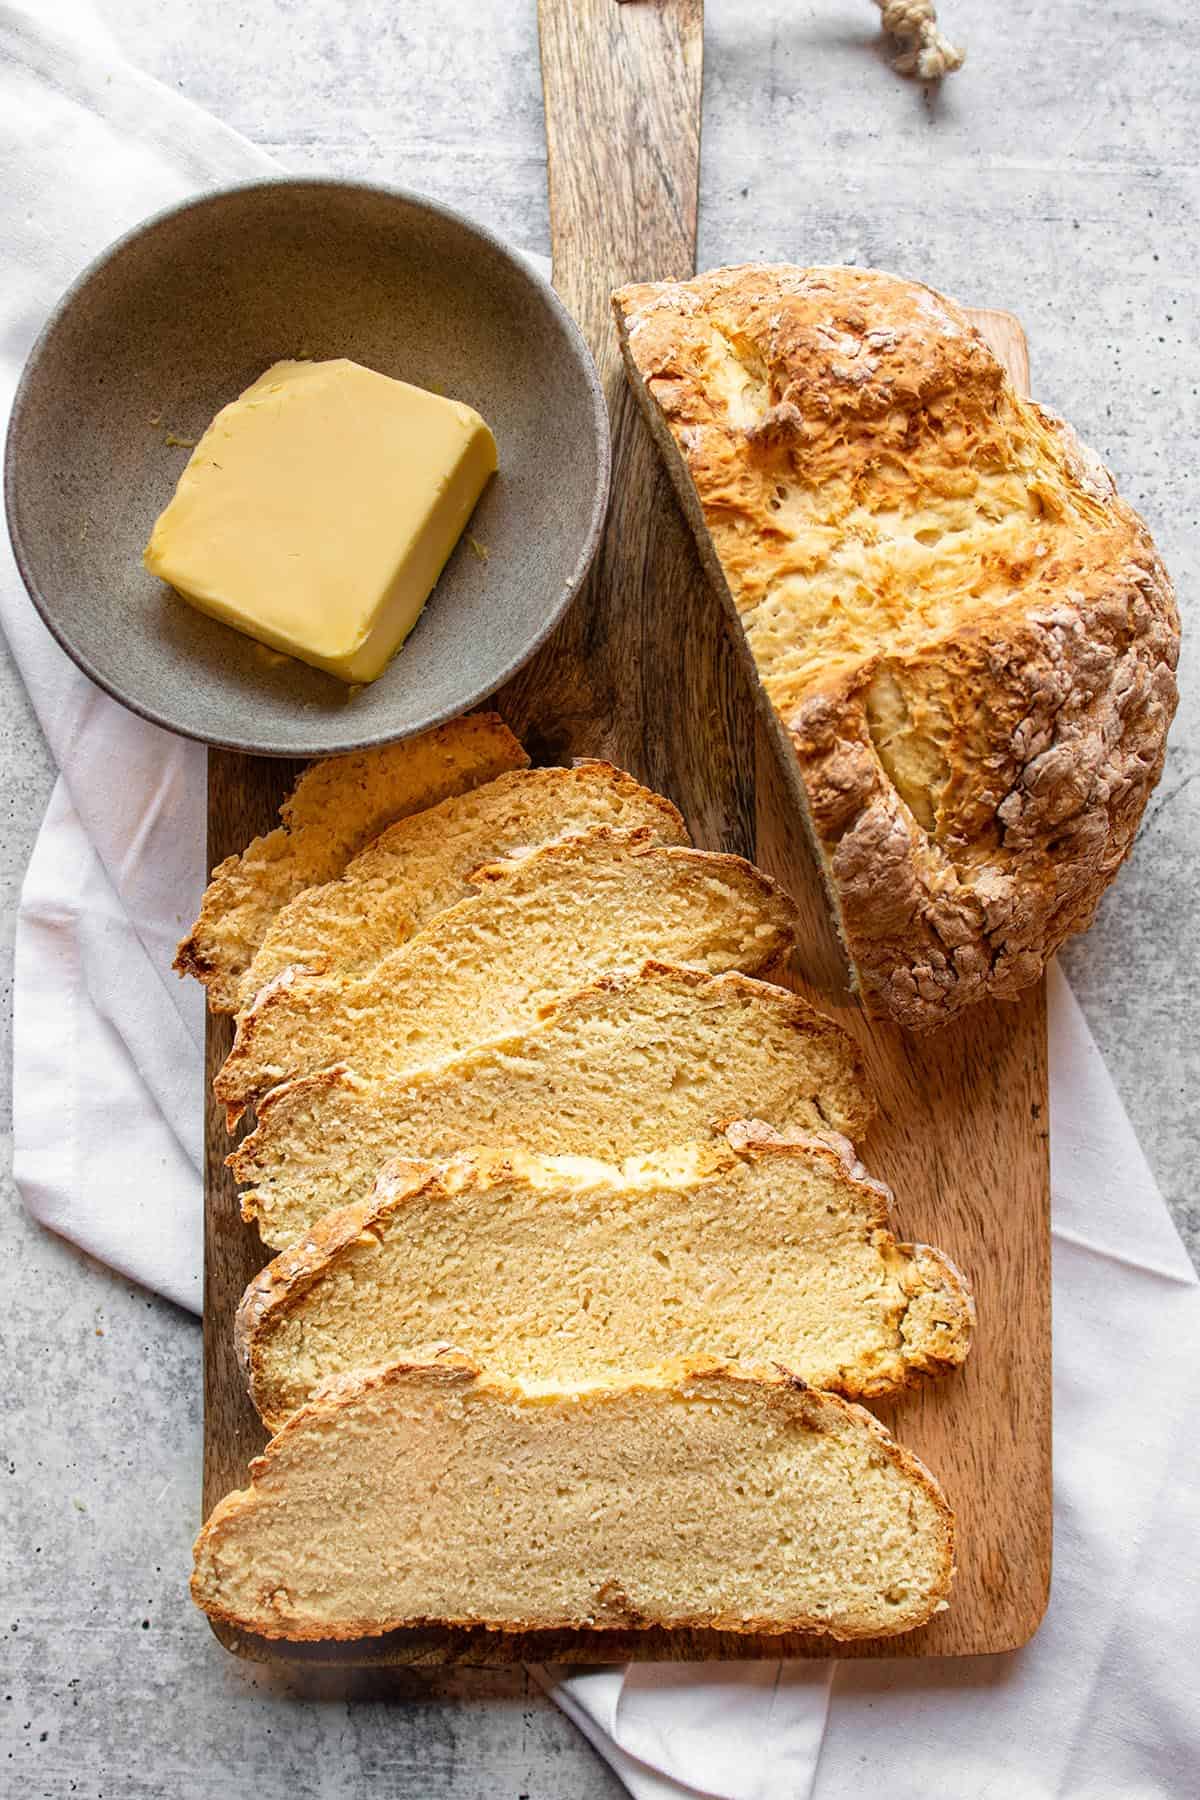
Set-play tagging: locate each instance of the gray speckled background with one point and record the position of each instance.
(1057, 175)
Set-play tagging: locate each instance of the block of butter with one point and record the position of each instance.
(318, 509)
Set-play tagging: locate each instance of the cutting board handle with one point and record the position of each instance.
(622, 86)
(641, 665)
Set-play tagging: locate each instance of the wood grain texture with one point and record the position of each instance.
(636, 672)
(643, 672)
(244, 793)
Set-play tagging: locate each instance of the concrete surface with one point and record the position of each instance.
(1057, 175)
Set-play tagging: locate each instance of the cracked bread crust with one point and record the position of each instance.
(968, 638)
(346, 1409)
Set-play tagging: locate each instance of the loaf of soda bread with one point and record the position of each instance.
(965, 640)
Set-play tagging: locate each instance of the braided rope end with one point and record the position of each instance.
(923, 51)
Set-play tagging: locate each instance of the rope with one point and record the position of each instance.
(924, 52)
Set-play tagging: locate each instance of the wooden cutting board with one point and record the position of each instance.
(642, 672)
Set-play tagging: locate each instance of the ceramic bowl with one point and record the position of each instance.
(176, 319)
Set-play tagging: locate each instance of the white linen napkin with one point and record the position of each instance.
(1102, 1703)
(104, 1033)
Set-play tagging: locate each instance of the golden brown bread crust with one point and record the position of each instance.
(974, 761)
(934, 1329)
(375, 903)
(798, 1406)
(337, 1089)
(282, 1008)
(288, 1276)
(335, 808)
(936, 1287)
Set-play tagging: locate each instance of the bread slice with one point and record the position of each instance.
(631, 1064)
(336, 807)
(697, 1495)
(423, 864)
(534, 929)
(558, 1270)
(965, 640)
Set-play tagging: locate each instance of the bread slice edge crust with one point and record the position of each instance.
(702, 1376)
(935, 1329)
(370, 864)
(243, 883)
(238, 1084)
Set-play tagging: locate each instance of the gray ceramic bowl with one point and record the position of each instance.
(176, 319)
